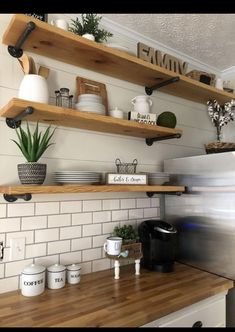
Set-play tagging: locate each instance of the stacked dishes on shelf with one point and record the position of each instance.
(77, 177)
(158, 178)
(89, 102)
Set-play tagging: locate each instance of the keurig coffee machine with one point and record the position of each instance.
(158, 240)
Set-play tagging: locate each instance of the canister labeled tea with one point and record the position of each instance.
(73, 274)
(33, 280)
(56, 276)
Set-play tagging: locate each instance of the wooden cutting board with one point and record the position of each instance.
(85, 85)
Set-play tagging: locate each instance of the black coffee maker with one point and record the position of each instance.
(159, 240)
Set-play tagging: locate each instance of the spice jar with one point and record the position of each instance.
(63, 99)
(73, 274)
(56, 276)
(33, 280)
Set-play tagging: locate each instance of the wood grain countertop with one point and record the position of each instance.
(101, 301)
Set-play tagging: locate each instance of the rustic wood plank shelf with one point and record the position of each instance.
(72, 118)
(65, 46)
(60, 189)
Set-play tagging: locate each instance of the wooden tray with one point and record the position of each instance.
(85, 85)
(135, 251)
(218, 147)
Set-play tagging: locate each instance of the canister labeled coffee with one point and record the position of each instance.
(33, 280)
(73, 274)
(56, 275)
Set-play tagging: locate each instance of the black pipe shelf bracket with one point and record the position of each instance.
(16, 122)
(149, 90)
(149, 141)
(151, 193)
(13, 198)
(16, 51)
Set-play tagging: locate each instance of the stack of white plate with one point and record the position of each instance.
(158, 178)
(89, 102)
(77, 177)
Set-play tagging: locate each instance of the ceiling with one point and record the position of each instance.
(209, 38)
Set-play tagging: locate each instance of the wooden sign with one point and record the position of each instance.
(202, 76)
(150, 118)
(41, 17)
(155, 57)
(129, 179)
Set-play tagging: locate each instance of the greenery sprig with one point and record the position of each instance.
(33, 145)
(126, 232)
(89, 24)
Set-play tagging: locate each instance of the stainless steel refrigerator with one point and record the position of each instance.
(205, 215)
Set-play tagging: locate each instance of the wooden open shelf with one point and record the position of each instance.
(65, 46)
(73, 118)
(60, 189)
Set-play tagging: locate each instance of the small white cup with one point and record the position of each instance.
(59, 23)
(113, 245)
(116, 113)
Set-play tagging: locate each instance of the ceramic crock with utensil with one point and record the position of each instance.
(34, 88)
(73, 274)
(142, 104)
(33, 280)
(56, 275)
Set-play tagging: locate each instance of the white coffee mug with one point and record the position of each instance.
(59, 23)
(113, 245)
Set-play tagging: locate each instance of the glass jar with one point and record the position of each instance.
(63, 99)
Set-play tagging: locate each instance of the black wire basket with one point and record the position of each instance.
(124, 168)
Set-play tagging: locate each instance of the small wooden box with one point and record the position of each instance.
(134, 251)
(202, 76)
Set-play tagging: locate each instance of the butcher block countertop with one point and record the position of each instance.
(101, 301)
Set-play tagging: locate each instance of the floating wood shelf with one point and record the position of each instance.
(60, 189)
(68, 47)
(83, 120)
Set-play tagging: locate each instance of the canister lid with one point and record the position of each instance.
(33, 269)
(74, 267)
(56, 268)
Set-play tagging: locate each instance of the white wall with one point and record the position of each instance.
(72, 228)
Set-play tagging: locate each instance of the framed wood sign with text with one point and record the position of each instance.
(129, 179)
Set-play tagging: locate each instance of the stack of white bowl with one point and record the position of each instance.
(158, 178)
(89, 102)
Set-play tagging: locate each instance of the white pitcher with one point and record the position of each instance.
(34, 87)
(142, 104)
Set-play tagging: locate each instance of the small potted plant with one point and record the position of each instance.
(127, 233)
(32, 146)
(89, 28)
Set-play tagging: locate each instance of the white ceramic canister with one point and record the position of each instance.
(34, 88)
(56, 275)
(142, 104)
(33, 280)
(73, 274)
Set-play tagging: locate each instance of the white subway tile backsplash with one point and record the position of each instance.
(29, 238)
(91, 254)
(21, 209)
(9, 284)
(3, 210)
(35, 250)
(70, 232)
(59, 220)
(85, 267)
(88, 230)
(70, 207)
(155, 201)
(47, 260)
(70, 258)
(109, 227)
(2, 270)
(98, 241)
(151, 212)
(119, 215)
(47, 235)
(47, 208)
(10, 224)
(29, 223)
(136, 213)
(111, 204)
(102, 216)
(128, 203)
(82, 218)
(82, 243)
(15, 268)
(143, 202)
(101, 264)
(58, 247)
(92, 205)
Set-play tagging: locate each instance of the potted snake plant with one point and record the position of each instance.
(32, 145)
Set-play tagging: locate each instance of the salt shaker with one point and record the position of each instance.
(73, 274)
(56, 276)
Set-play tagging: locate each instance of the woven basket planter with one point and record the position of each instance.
(32, 173)
(218, 147)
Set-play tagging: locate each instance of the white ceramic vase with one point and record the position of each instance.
(88, 36)
(35, 88)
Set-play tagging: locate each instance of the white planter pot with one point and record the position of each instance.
(56, 275)
(89, 36)
(34, 88)
(33, 280)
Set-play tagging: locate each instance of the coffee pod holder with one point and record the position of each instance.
(131, 251)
